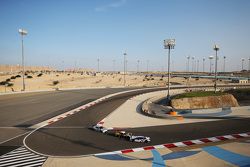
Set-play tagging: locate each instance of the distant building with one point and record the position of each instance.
(240, 80)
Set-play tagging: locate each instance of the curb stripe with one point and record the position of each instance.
(182, 144)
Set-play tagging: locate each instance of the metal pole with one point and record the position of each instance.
(242, 65)
(23, 64)
(215, 75)
(168, 96)
(224, 64)
(98, 67)
(113, 65)
(138, 61)
(124, 77)
(203, 68)
(147, 66)
(188, 64)
(210, 65)
(198, 65)
(248, 64)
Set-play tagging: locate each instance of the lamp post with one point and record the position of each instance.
(203, 66)
(198, 65)
(138, 62)
(98, 65)
(147, 65)
(169, 44)
(224, 64)
(216, 48)
(188, 58)
(113, 66)
(248, 64)
(124, 74)
(210, 59)
(193, 64)
(242, 64)
(23, 32)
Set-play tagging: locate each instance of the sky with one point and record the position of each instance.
(75, 33)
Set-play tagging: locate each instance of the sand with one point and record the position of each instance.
(78, 80)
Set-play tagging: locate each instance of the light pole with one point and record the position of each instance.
(113, 66)
(216, 48)
(98, 65)
(124, 74)
(203, 66)
(147, 65)
(248, 64)
(198, 65)
(169, 44)
(138, 62)
(23, 32)
(188, 58)
(210, 59)
(193, 64)
(242, 64)
(224, 64)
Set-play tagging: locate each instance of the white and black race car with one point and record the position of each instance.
(99, 128)
(139, 139)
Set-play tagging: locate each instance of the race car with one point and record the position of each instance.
(140, 139)
(99, 128)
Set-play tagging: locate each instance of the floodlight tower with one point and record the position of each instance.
(248, 64)
(124, 74)
(169, 44)
(98, 65)
(23, 32)
(216, 48)
(210, 59)
(203, 67)
(147, 65)
(224, 64)
(193, 64)
(188, 58)
(138, 62)
(113, 66)
(242, 63)
(198, 62)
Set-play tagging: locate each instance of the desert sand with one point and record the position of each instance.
(84, 80)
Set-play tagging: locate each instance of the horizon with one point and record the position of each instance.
(68, 34)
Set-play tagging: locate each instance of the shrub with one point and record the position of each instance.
(10, 84)
(68, 74)
(152, 79)
(57, 75)
(55, 82)
(39, 75)
(161, 79)
(18, 76)
(8, 80)
(3, 82)
(12, 77)
(29, 76)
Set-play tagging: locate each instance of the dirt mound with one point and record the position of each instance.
(205, 102)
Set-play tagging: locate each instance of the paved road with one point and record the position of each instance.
(26, 109)
(71, 136)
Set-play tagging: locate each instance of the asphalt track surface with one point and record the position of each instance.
(26, 109)
(71, 136)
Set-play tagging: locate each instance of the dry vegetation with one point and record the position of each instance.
(54, 80)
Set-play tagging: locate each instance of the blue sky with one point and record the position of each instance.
(64, 32)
